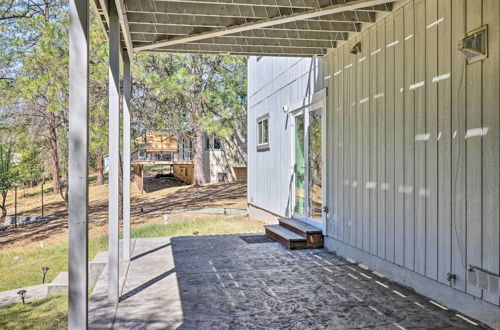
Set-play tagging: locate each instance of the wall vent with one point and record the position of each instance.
(475, 45)
(484, 279)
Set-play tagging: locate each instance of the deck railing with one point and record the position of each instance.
(181, 155)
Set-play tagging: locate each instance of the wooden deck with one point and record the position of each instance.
(162, 162)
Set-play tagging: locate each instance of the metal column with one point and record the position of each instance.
(127, 88)
(114, 152)
(78, 164)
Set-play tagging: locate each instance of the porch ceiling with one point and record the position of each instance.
(240, 27)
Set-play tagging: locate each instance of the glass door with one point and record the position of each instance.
(308, 166)
(315, 165)
(299, 166)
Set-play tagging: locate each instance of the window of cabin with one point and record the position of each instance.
(263, 132)
(213, 143)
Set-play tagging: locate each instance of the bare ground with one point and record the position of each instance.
(170, 197)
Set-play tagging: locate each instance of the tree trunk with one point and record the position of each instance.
(54, 154)
(4, 209)
(100, 169)
(199, 174)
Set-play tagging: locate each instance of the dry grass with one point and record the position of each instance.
(230, 195)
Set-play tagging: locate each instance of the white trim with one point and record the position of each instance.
(262, 146)
(306, 101)
(318, 102)
(122, 14)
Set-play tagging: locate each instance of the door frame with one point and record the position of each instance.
(316, 101)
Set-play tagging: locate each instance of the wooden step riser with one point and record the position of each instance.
(314, 241)
(292, 245)
(292, 228)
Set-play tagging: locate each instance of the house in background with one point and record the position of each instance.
(389, 145)
(163, 147)
(223, 160)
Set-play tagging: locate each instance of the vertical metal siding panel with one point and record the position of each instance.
(408, 189)
(347, 148)
(352, 144)
(385, 36)
(340, 127)
(359, 140)
(444, 143)
(367, 67)
(474, 151)
(333, 159)
(431, 118)
(491, 144)
(458, 77)
(387, 186)
(373, 140)
(251, 161)
(285, 148)
(420, 132)
(399, 218)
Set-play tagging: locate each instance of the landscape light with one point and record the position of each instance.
(21, 294)
(45, 269)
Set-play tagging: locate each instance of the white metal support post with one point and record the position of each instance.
(127, 89)
(78, 164)
(114, 153)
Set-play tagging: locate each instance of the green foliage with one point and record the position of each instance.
(98, 91)
(30, 166)
(29, 262)
(44, 314)
(175, 91)
(203, 226)
(8, 172)
(34, 86)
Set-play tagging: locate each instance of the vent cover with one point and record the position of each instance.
(475, 45)
(484, 279)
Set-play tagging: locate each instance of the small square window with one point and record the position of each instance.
(213, 143)
(263, 133)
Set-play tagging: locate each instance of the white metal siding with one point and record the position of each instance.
(275, 82)
(409, 187)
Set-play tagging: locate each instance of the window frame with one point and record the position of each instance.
(210, 143)
(263, 144)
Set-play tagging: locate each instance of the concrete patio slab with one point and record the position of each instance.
(222, 282)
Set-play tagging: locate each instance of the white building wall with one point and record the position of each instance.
(274, 83)
(413, 136)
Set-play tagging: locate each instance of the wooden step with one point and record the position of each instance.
(313, 235)
(285, 236)
(299, 227)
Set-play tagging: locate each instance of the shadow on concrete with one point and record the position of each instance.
(148, 252)
(146, 285)
(222, 282)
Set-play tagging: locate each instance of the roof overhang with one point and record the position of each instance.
(302, 28)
